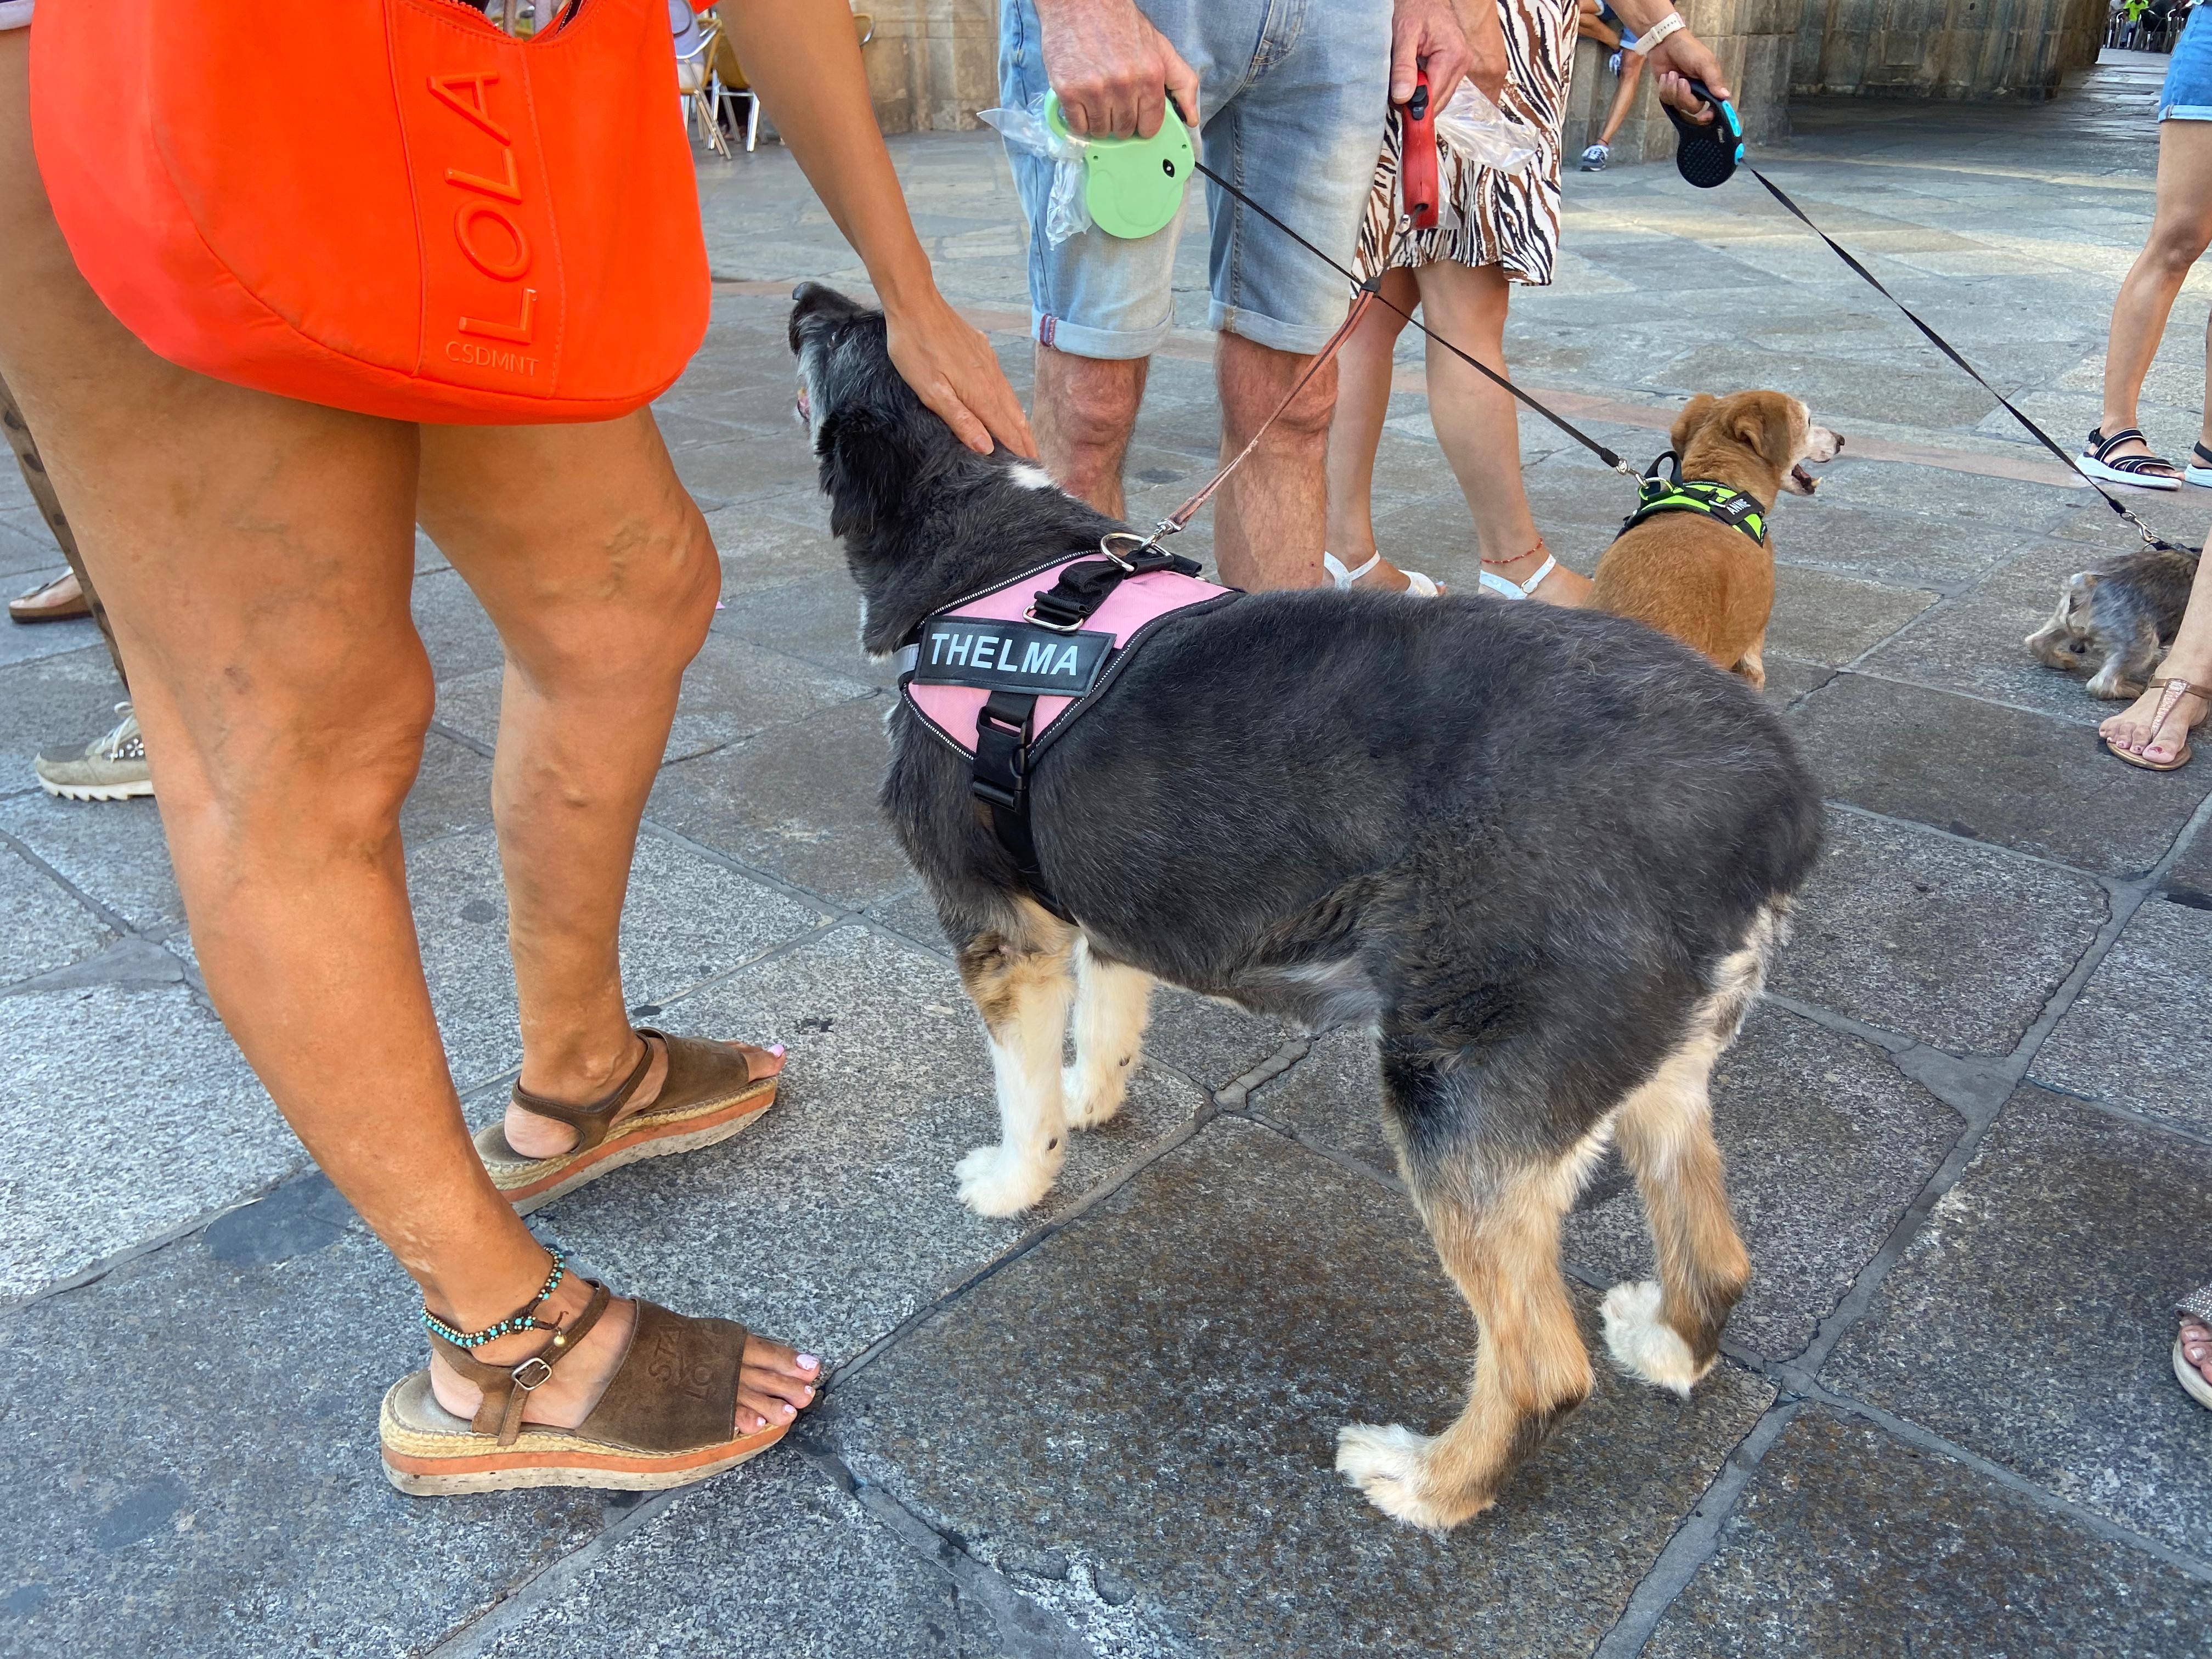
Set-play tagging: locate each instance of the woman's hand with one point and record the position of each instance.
(1681, 58)
(952, 369)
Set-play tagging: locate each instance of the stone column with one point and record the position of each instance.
(933, 63)
(1754, 39)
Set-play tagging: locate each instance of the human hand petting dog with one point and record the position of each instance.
(953, 370)
(1113, 70)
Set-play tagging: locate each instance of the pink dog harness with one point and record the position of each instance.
(1000, 674)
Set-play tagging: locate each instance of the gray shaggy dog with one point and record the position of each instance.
(1543, 854)
(2118, 617)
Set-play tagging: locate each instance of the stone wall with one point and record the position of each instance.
(932, 63)
(1944, 48)
(1754, 40)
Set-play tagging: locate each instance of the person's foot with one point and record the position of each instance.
(110, 767)
(2135, 728)
(1595, 157)
(1561, 587)
(1383, 577)
(2196, 1347)
(775, 1384)
(532, 1136)
(61, 599)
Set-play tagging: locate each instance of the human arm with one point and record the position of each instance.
(1111, 69)
(1677, 60)
(803, 57)
(1484, 28)
(1430, 34)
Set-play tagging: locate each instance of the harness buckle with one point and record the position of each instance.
(1075, 627)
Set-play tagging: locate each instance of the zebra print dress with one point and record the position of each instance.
(1491, 218)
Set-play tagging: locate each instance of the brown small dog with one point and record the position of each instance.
(1696, 576)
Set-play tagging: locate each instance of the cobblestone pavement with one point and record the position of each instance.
(1969, 1133)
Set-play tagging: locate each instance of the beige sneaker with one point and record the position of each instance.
(112, 768)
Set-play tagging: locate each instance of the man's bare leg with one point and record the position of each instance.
(1269, 518)
(1084, 410)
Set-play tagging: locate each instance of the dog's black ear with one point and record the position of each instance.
(1766, 422)
(1695, 413)
(862, 471)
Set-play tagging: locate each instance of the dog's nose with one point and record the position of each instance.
(1839, 442)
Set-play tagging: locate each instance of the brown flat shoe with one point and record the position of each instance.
(2175, 690)
(709, 1095)
(665, 1420)
(28, 610)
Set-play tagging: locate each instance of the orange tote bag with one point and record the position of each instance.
(388, 206)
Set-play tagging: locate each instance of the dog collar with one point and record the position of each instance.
(1671, 493)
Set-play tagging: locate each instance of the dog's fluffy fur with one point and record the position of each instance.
(2118, 617)
(1544, 854)
(1704, 582)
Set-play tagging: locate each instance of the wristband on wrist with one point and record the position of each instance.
(1670, 24)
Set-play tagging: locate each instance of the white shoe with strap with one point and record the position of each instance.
(1415, 584)
(1506, 588)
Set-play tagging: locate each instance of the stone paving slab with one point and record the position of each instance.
(1152, 1396)
(192, 1468)
(28, 642)
(837, 1216)
(45, 928)
(1990, 774)
(77, 1185)
(815, 824)
(687, 919)
(803, 1569)
(2024, 1322)
(1851, 1546)
(52, 701)
(1956, 944)
(2140, 1035)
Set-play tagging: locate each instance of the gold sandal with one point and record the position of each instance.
(2175, 690)
(667, 1419)
(709, 1095)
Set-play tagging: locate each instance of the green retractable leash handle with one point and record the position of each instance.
(1132, 186)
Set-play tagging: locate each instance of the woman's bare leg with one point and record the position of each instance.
(1632, 70)
(600, 575)
(1478, 425)
(255, 556)
(2189, 658)
(2181, 230)
(1364, 365)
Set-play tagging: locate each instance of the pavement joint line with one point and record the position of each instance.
(1696, 1539)
(95, 1271)
(1027, 1629)
(1855, 667)
(790, 889)
(1904, 1429)
(2111, 884)
(111, 918)
(1273, 1065)
(2129, 1115)
(1182, 1135)
(1343, 1160)
(525, 1596)
(453, 733)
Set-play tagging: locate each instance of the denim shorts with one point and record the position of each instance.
(2187, 95)
(1292, 99)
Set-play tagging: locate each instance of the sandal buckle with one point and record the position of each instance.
(532, 1373)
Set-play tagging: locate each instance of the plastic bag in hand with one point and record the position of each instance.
(1476, 130)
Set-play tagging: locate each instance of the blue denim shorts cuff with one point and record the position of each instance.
(1113, 344)
(1303, 338)
(2185, 112)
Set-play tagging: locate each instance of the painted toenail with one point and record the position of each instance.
(776, 1049)
(807, 1362)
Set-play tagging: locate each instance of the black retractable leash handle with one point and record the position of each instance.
(1708, 154)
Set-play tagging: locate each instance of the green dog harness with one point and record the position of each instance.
(1656, 495)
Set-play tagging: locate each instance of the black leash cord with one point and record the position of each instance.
(1950, 351)
(1373, 287)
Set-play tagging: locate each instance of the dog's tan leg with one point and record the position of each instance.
(1501, 1247)
(1668, 1334)
(2128, 665)
(1020, 983)
(1753, 665)
(1111, 1003)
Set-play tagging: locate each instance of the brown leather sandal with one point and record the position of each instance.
(2175, 690)
(665, 1418)
(710, 1094)
(27, 609)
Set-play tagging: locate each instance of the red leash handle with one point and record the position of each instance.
(1417, 155)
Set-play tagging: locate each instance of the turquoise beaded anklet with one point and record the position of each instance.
(524, 1318)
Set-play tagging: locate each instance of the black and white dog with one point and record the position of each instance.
(1544, 854)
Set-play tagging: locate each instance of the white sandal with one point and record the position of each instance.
(1418, 585)
(1506, 588)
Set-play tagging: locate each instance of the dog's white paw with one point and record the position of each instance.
(1003, 1179)
(1642, 1344)
(1094, 1094)
(1390, 1463)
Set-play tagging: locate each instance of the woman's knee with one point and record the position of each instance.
(2175, 245)
(638, 613)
